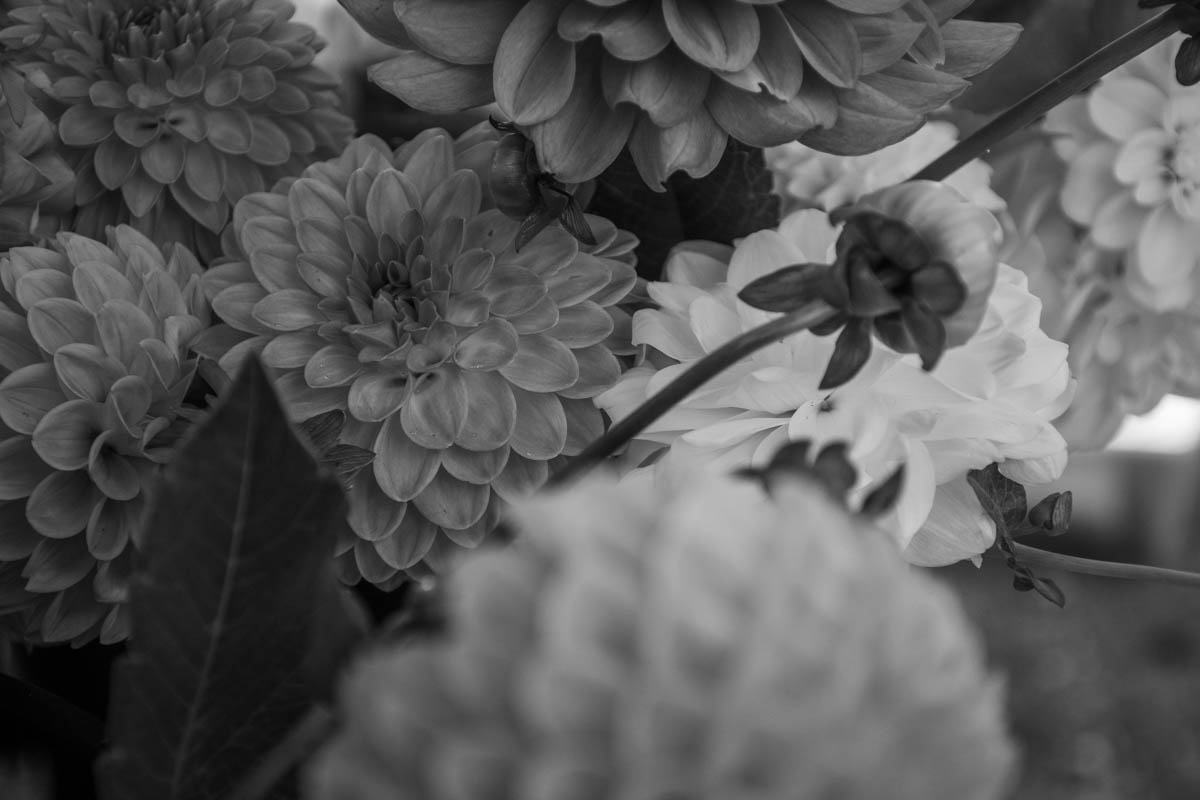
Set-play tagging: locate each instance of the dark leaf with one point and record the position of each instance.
(1053, 514)
(323, 430)
(1187, 62)
(831, 325)
(732, 201)
(939, 287)
(883, 497)
(868, 296)
(234, 606)
(834, 469)
(927, 332)
(1057, 35)
(346, 459)
(1002, 498)
(851, 352)
(787, 289)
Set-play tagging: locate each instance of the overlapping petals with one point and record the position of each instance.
(989, 399)
(171, 112)
(710, 642)
(385, 284)
(673, 80)
(95, 348)
(35, 182)
(808, 178)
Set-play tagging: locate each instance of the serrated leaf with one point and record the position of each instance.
(234, 585)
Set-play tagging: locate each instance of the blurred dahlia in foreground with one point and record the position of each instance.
(712, 642)
(990, 398)
(1132, 146)
(674, 79)
(808, 178)
(35, 182)
(96, 352)
(386, 285)
(172, 111)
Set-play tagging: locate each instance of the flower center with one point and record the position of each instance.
(150, 28)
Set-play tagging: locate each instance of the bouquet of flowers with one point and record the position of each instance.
(583, 437)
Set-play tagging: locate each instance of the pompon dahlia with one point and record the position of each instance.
(36, 185)
(808, 178)
(172, 110)
(384, 284)
(96, 356)
(710, 643)
(674, 79)
(1132, 146)
(989, 399)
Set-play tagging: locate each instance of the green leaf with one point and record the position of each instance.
(1002, 499)
(234, 605)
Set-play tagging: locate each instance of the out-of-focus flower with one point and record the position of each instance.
(808, 178)
(385, 285)
(712, 642)
(988, 400)
(1127, 355)
(172, 111)
(1132, 146)
(95, 349)
(672, 80)
(35, 181)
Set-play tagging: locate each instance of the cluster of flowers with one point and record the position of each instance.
(180, 192)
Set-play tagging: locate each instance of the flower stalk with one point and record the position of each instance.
(1104, 569)
(1067, 84)
(701, 372)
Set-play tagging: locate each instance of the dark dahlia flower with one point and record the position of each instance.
(674, 78)
(384, 284)
(95, 347)
(35, 181)
(171, 111)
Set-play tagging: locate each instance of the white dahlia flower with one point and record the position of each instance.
(1132, 146)
(808, 178)
(989, 400)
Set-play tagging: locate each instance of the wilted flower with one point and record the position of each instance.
(96, 356)
(808, 178)
(172, 111)
(673, 80)
(990, 399)
(385, 285)
(710, 643)
(35, 181)
(1132, 146)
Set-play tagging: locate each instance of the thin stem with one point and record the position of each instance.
(700, 373)
(1104, 569)
(1074, 80)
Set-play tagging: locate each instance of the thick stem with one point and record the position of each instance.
(700, 373)
(1104, 569)
(1074, 80)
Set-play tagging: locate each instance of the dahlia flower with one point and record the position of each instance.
(383, 284)
(808, 178)
(673, 80)
(1132, 146)
(96, 356)
(35, 181)
(711, 643)
(1126, 355)
(990, 399)
(172, 111)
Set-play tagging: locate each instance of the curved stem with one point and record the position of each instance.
(696, 376)
(1104, 569)
(1032, 107)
